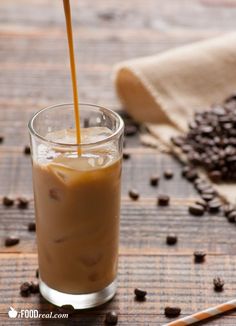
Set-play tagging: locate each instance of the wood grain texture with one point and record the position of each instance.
(33, 52)
(144, 228)
(35, 73)
(158, 274)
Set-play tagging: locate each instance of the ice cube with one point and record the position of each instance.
(65, 174)
(100, 160)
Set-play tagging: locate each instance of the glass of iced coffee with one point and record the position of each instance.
(77, 203)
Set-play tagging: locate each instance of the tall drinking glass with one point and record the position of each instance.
(77, 203)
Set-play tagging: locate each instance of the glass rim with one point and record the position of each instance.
(114, 134)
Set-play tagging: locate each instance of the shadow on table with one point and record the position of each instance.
(91, 317)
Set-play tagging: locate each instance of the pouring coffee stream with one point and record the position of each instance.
(73, 70)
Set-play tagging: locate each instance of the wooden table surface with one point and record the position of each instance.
(35, 73)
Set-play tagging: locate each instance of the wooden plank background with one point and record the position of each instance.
(35, 73)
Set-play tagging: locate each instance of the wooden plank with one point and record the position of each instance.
(36, 36)
(168, 279)
(151, 13)
(144, 228)
(143, 224)
(35, 73)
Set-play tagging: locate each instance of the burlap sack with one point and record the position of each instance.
(165, 90)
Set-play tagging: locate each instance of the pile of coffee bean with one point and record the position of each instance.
(211, 141)
(210, 200)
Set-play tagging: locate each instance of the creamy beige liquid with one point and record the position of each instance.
(77, 201)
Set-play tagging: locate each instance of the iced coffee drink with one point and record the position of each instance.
(77, 204)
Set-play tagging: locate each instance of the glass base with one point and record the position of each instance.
(78, 301)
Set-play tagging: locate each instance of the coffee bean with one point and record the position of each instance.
(154, 180)
(7, 201)
(185, 170)
(192, 125)
(140, 295)
(231, 159)
(172, 312)
(194, 158)
(171, 239)
(209, 191)
(211, 141)
(31, 227)
(231, 98)
(1, 139)
(228, 209)
(111, 318)
(206, 130)
(34, 287)
(206, 196)
(11, 241)
(196, 210)
(168, 174)
(23, 203)
(126, 155)
(163, 200)
(187, 149)
(232, 217)
(25, 289)
(199, 256)
(218, 110)
(201, 184)
(203, 187)
(201, 203)
(66, 309)
(218, 284)
(27, 150)
(133, 194)
(214, 206)
(37, 273)
(130, 130)
(198, 181)
(191, 175)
